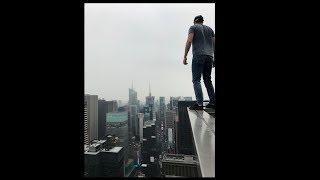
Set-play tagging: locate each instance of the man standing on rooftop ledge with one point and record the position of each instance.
(202, 39)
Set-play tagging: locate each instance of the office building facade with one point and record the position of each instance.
(117, 125)
(91, 102)
(183, 130)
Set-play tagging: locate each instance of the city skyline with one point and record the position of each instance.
(142, 101)
(139, 44)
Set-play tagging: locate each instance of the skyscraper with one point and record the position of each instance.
(103, 108)
(112, 106)
(170, 128)
(132, 97)
(184, 136)
(86, 136)
(117, 124)
(140, 126)
(139, 106)
(91, 102)
(162, 121)
(149, 150)
(174, 101)
(133, 110)
(146, 112)
(150, 104)
(132, 120)
(158, 130)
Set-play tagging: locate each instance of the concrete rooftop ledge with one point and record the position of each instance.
(203, 129)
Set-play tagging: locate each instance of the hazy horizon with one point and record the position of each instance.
(141, 43)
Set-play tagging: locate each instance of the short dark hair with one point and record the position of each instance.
(198, 19)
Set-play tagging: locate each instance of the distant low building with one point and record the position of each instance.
(103, 160)
(179, 165)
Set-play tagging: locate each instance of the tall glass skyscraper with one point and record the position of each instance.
(133, 110)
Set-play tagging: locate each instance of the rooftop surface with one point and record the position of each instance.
(114, 150)
(180, 158)
(149, 123)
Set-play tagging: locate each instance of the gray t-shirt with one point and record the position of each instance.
(202, 40)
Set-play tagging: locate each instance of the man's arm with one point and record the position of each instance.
(187, 48)
(213, 47)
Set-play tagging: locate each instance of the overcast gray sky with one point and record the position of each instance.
(140, 43)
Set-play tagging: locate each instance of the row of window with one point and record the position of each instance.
(179, 170)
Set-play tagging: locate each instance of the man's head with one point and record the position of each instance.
(198, 19)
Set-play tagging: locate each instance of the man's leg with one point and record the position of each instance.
(197, 68)
(207, 69)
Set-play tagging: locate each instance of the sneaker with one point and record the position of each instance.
(211, 106)
(196, 107)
